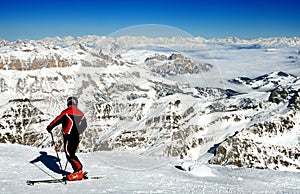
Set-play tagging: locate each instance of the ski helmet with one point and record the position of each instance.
(72, 101)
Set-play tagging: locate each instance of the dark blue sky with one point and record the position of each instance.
(37, 19)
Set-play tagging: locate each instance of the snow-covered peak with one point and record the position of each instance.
(268, 81)
(154, 96)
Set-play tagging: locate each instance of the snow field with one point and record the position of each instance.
(130, 173)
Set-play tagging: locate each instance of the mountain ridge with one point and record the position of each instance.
(135, 100)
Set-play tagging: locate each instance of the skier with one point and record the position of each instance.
(73, 121)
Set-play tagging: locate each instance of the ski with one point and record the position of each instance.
(85, 176)
(94, 177)
(63, 180)
(32, 182)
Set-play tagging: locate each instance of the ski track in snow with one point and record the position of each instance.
(130, 173)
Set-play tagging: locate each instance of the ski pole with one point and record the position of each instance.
(66, 167)
(56, 150)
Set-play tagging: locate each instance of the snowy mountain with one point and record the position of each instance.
(268, 81)
(170, 97)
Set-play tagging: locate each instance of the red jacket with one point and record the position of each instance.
(72, 119)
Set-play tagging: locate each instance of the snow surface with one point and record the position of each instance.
(129, 173)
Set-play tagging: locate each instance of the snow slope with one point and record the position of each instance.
(129, 173)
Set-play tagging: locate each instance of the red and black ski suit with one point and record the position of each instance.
(73, 121)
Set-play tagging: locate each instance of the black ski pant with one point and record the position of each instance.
(71, 144)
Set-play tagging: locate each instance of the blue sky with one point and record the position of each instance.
(37, 19)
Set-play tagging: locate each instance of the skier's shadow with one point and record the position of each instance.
(50, 162)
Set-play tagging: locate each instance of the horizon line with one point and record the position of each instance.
(144, 36)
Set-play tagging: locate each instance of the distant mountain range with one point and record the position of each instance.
(135, 98)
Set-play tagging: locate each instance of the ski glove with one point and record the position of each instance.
(49, 129)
